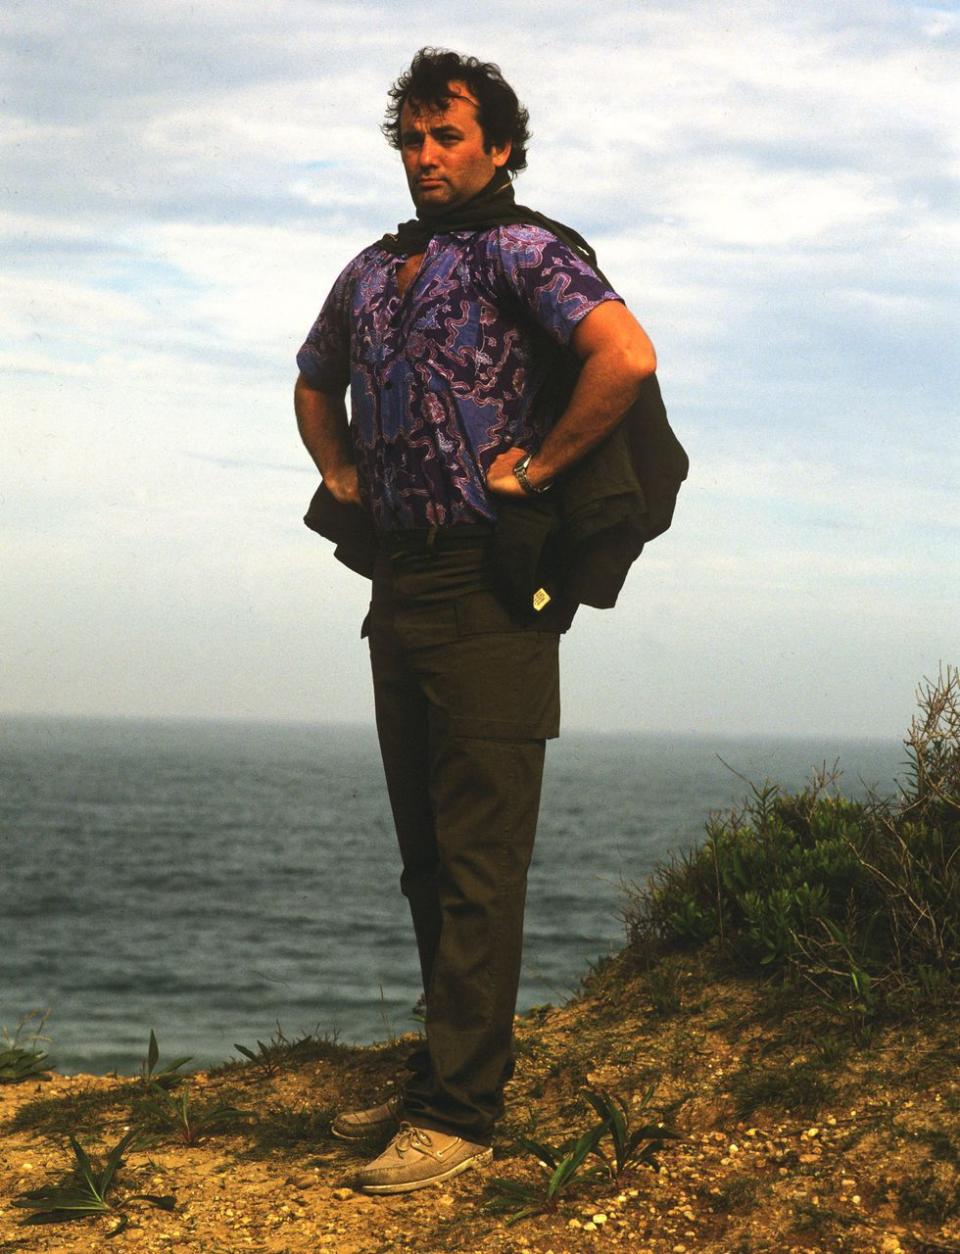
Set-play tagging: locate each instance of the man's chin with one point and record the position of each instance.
(432, 199)
(431, 203)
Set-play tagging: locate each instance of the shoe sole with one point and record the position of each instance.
(408, 1186)
(375, 1133)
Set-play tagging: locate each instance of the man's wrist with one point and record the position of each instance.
(531, 483)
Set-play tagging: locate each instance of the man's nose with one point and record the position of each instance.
(427, 156)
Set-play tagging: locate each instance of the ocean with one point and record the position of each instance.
(214, 881)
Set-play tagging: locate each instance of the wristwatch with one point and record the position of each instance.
(520, 471)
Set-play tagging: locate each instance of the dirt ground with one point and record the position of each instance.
(797, 1134)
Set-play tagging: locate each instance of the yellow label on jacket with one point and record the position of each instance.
(541, 598)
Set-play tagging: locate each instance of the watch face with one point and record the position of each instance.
(520, 473)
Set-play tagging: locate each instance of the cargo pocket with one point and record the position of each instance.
(507, 683)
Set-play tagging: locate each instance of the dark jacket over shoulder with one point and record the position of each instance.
(580, 540)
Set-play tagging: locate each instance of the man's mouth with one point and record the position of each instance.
(428, 183)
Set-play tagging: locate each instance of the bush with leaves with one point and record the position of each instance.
(861, 900)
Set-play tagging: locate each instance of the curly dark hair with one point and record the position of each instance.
(501, 115)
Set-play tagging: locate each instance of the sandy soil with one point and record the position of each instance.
(796, 1136)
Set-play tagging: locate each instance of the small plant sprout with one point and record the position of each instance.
(187, 1121)
(167, 1076)
(17, 1062)
(632, 1147)
(563, 1166)
(84, 1191)
(265, 1056)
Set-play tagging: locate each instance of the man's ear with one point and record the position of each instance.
(501, 155)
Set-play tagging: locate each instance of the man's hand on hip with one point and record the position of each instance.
(322, 419)
(344, 486)
(502, 480)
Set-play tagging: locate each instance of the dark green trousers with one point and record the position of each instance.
(466, 696)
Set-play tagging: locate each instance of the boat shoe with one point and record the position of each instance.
(364, 1125)
(417, 1157)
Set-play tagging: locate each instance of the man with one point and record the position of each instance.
(454, 336)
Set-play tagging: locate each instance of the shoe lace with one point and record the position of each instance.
(411, 1137)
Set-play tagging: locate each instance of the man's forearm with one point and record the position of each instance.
(616, 356)
(606, 388)
(322, 422)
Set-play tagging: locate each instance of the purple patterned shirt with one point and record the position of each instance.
(466, 363)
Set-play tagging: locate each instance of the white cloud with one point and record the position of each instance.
(731, 202)
(59, 306)
(773, 189)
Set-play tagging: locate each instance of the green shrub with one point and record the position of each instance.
(859, 900)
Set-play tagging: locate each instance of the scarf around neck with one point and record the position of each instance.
(494, 205)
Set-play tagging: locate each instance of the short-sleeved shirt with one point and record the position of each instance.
(468, 362)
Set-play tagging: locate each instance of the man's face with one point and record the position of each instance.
(443, 153)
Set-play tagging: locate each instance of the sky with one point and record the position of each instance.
(772, 187)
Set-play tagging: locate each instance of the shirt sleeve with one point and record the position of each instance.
(324, 357)
(552, 282)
